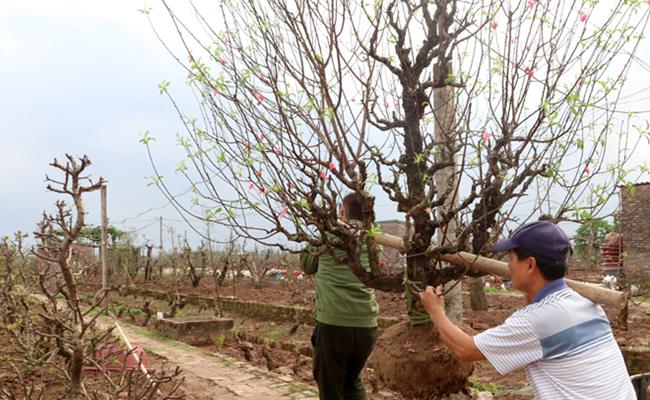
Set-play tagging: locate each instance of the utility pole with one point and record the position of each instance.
(161, 237)
(173, 235)
(104, 241)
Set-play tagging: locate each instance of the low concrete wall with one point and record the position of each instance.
(263, 311)
(194, 330)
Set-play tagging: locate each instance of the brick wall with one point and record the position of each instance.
(635, 227)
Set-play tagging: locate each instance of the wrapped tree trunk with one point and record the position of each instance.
(477, 298)
(447, 182)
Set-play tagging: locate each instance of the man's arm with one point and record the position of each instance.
(309, 261)
(458, 341)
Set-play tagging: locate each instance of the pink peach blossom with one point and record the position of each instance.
(251, 186)
(332, 166)
(494, 25)
(530, 72)
(583, 17)
(323, 175)
(587, 170)
(277, 151)
(283, 212)
(215, 91)
(532, 3)
(486, 137)
(259, 96)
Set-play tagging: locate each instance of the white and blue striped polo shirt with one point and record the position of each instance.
(566, 344)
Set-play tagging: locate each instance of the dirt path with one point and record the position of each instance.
(226, 378)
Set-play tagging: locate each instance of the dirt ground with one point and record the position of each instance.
(48, 381)
(284, 346)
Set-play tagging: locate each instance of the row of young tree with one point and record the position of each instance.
(127, 263)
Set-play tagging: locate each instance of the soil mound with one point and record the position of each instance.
(413, 361)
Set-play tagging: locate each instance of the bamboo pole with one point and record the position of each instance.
(487, 265)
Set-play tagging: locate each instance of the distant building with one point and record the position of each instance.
(635, 228)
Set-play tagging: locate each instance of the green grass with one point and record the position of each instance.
(237, 328)
(227, 362)
(485, 387)
(499, 292)
(639, 300)
(219, 342)
(274, 334)
(136, 311)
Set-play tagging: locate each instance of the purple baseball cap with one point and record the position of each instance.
(542, 238)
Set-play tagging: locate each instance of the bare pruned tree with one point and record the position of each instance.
(256, 264)
(69, 322)
(42, 314)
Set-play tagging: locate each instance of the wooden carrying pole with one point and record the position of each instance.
(594, 293)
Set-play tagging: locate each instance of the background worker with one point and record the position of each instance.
(563, 340)
(346, 316)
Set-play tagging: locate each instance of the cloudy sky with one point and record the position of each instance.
(81, 77)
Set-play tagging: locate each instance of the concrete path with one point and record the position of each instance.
(231, 379)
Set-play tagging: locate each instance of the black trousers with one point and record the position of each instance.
(339, 356)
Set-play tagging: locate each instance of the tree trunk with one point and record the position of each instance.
(477, 298)
(447, 180)
(76, 363)
(148, 266)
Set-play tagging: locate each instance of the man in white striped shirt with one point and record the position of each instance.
(563, 340)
